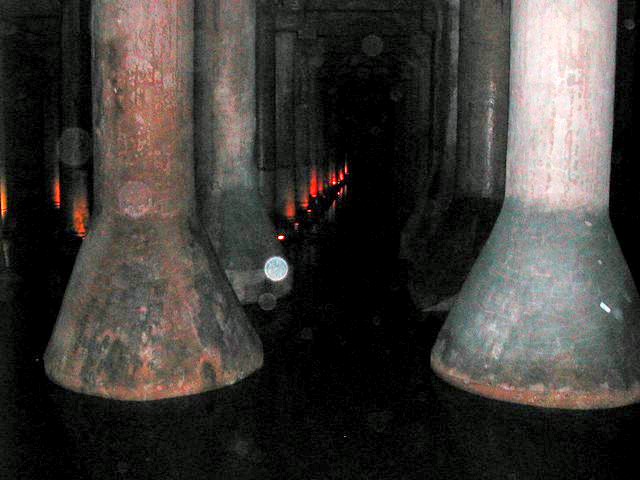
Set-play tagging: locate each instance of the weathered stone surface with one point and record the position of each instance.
(550, 315)
(229, 201)
(148, 313)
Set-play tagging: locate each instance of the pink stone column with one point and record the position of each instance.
(148, 313)
(549, 315)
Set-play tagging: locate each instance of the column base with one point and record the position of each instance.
(538, 397)
(249, 285)
(549, 315)
(147, 315)
(440, 265)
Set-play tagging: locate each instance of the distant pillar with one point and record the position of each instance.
(51, 126)
(4, 184)
(229, 201)
(266, 101)
(285, 125)
(75, 140)
(549, 315)
(315, 124)
(302, 115)
(148, 313)
(483, 99)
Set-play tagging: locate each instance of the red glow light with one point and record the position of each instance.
(3, 198)
(56, 193)
(313, 187)
(282, 237)
(80, 216)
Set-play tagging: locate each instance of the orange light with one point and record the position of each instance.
(341, 176)
(56, 193)
(80, 216)
(313, 186)
(3, 198)
(290, 209)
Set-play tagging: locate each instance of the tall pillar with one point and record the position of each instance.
(229, 201)
(303, 170)
(51, 147)
(461, 230)
(75, 141)
(285, 125)
(549, 314)
(315, 124)
(437, 183)
(148, 313)
(4, 194)
(483, 100)
(266, 100)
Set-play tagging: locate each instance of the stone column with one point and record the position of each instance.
(148, 313)
(303, 168)
(4, 193)
(229, 201)
(75, 140)
(437, 185)
(285, 125)
(315, 124)
(549, 315)
(266, 100)
(483, 98)
(51, 129)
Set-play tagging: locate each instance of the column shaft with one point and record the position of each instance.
(74, 145)
(4, 194)
(483, 99)
(266, 101)
(303, 170)
(285, 125)
(229, 201)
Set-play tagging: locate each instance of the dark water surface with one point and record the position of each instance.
(346, 390)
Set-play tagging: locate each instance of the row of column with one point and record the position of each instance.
(294, 165)
(548, 315)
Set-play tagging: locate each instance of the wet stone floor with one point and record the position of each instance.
(346, 391)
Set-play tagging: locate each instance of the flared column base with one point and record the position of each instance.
(549, 315)
(440, 264)
(148, 315)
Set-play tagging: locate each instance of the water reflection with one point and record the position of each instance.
(6, 254)
(208, 436)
